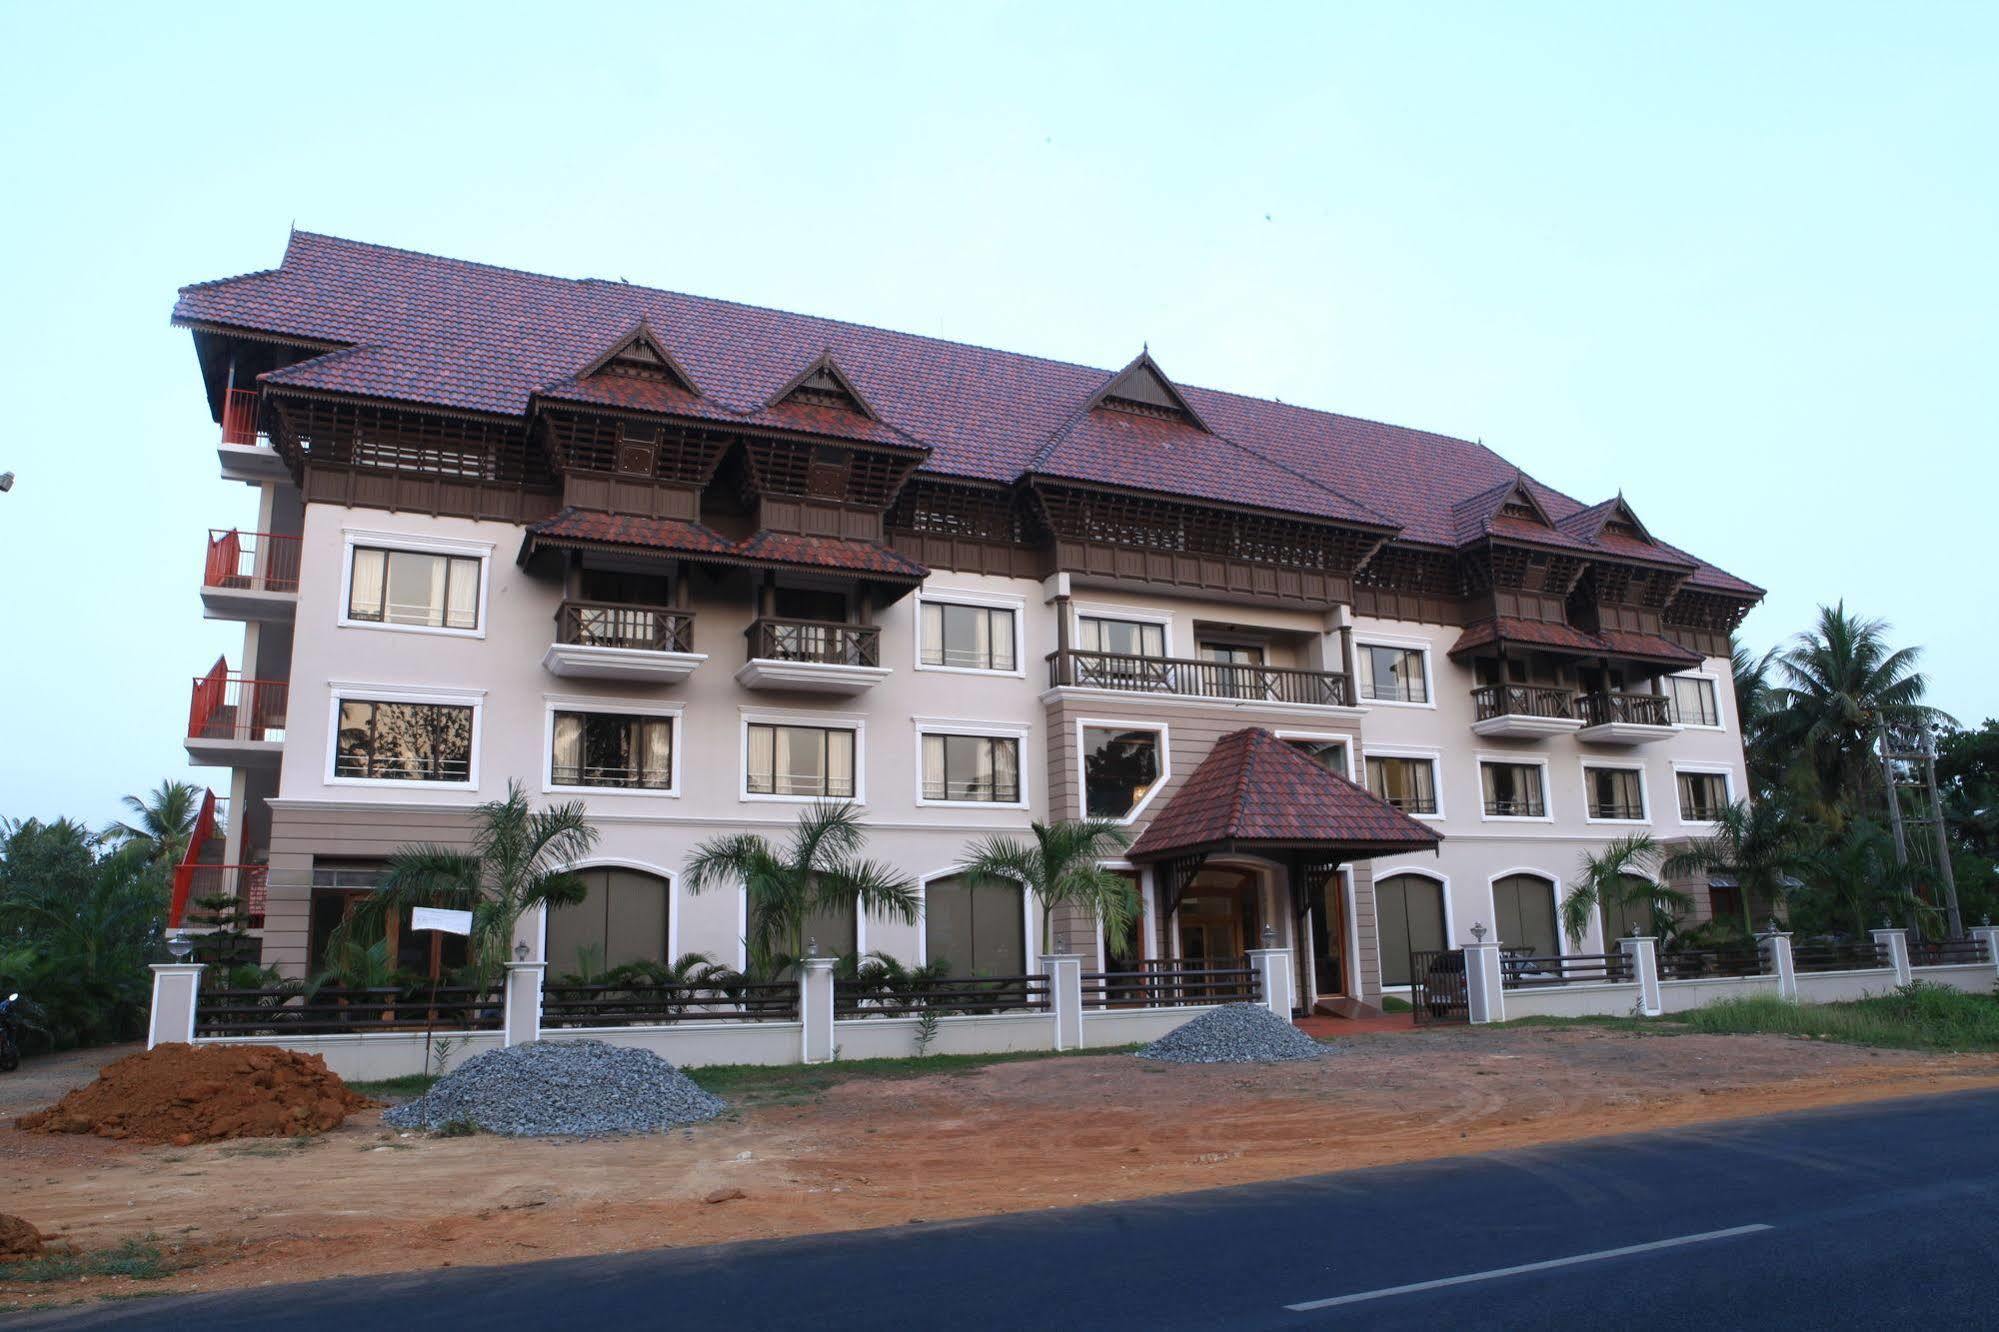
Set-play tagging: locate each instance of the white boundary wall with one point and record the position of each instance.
(1680, 996)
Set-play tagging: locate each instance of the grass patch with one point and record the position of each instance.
(1913, 1017)
(784, 1083)
(407, 1087)
(139, 1259)
(1639, 1026)
(1391, 1004)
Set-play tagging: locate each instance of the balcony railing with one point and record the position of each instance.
(1632, 709)
(614, 625)
(1200, 679)
(827, 642)
(248, 884)
(1519, 700)
(231, 707)
(251, 561)
(239, 417)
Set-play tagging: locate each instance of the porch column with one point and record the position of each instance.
(1895, 943)
(175, 987)
(522, 1022)
(1990, 934)
(1644, 954)
(1273, 979)
(1065, 997)
(1485, 997)
(815, 1009)
(1777, 961)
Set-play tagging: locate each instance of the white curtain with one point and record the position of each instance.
(364, 593)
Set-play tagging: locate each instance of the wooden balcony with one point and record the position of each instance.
(1625, 719)
(250, 576)
(235, 722)
(245, 451)
(1523, 712)
(602, 640)
(1186, 677)
(813, 656)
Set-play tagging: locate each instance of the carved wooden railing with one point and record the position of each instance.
(1636, 709)
(1519, 700)
(1200, 679)
(829, 642)
(618, 625)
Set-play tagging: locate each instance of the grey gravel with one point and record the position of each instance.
(574, 1089)
(1234, 1034)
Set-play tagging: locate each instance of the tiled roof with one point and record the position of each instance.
(584, 527)
(611, 529)
(475, 337)
(818, 552)
(1624, 643)
(1567, 638)
(1254, 788)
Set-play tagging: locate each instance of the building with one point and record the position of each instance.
(696, 564)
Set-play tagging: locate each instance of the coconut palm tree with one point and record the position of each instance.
(820, 869)
(1859, 882)
(519, 861)
(1619, 873)
(1062, 866)
(1762, 845)
(163, 821)
(1758, 708)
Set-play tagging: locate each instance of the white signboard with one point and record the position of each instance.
(436, 918)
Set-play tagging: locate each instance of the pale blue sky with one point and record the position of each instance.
(1741, 265)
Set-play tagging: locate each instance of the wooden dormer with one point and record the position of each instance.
(1142, 389)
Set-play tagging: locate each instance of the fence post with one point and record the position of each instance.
(1485, 996)
(1273, 979)
(1990, 934)
(522, 1021)
(1777, 961)
(815, 1009)
(1644, 954)
(1065, 997)
(175, 987)
(1896, 942)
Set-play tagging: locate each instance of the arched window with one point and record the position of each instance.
(1408, 918)
(622, 918)
(978, 929)
(1524, 914)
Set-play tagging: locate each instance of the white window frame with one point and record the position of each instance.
(1519, 761)
(348, 691)
(1346, 738)
(1554, 881)
(951, 596)
(1435, 757)
(825, 721)
(554, 703)
(1443, 882)
(1721, 770)
(1720, 712)
(1158, 728)
(355, 537)
(1644, 792)
(994, 730)
(1078, 612)
(1403, 644)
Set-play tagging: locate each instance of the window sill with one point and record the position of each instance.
(435, 631)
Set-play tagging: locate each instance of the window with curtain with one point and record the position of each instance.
(1409, 784)
(972, 638)
(410, 742)
(1615, 793)
(1694, 702)
(1119, 768)
(982, 768)
(413, 587)
(1328, 754)
(801, 761)
(975, 929)
(1513, 790)
(1409, 918)
(1122, 638)
(1524, 913)
(1392, 674)
(612, 749)
(1703, 795)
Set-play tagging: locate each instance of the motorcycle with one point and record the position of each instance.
(10, 1047)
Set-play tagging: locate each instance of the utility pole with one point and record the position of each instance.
(1909, 765)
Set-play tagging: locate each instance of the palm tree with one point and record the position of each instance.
(1761, 844)
(164, 820)
(519, 861)
(1758, 709)
(1062, 867)
(1843, 685)
(1618, 873)
(1865, 881)
(821, 869)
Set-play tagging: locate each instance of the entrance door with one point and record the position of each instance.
(1329, 936)
(1218, 917)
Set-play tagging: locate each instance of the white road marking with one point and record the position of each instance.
(1498, 1272)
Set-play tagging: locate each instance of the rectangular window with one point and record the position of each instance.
(1119, 768)
(980, 768)
(972, 638)
(406, 742)
(1121, 638)
(1615, 793)
(1409, 784)
(1513, 790)
(1328, 754)
(1694, 702)
(801, 761)
(413, 587)
(612, 749)
(1392, 674)
(1703, 795)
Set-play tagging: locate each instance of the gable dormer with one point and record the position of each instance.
(1614, 517)
(641, 355)
(1142, 389)
(824, 384)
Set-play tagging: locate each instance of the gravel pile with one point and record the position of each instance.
(1234, 1034)
(578, 1089)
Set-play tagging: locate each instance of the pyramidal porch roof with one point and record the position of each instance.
(1254, 793)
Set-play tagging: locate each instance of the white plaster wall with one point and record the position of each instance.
(372, 1056)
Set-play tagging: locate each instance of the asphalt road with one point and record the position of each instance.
(1875, 1216)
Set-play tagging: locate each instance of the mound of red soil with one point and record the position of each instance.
(185, 1094)
(18, 1239)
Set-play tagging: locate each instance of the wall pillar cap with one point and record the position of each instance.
(818, 963)
(179, 968)
(527, 966)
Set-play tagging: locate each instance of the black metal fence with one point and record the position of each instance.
(662, 1005)
(1169, 984)
(1705, 963)
(1839, 955)
(289, 1011)
(1438, 993)
(1521, 972)
(951, 996)
(1948, 952)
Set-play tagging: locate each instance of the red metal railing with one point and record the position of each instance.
(256, 561)
(239, 416)
(230, 707)
(248, 884)
(206, 824)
